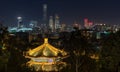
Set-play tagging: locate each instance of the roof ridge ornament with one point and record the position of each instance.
(45, 40)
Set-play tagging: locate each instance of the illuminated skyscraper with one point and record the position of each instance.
(33, 23)
(45, 15)
(63, 26)
(19, 21)
(86, 24)
(90, 24)
(51, 24)
(57, 22)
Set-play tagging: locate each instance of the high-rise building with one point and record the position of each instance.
(63, 26)
(76, 25)
(33, 23)
(19, 21)
(86, 24)
(45, 15)
(57, 22)
(90, 24)
(51, 24)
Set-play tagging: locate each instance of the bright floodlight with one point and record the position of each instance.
(19, 18)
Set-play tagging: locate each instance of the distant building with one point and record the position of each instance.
(45, 14)
(57, 22)
(51, 24)
(44, 23)
(77, 26)
(33, 24)
(19, 22)
(86, 25)
(88, 33)
(23, 29)
(63, 27)
(90, 24)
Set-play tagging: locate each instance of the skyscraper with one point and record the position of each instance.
(51, 24)
(86, 24)
(57, 22)
(90, 24)
(19, 21)
(33, 23)
(45, 15)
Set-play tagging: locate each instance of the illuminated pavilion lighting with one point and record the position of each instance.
(46, 57)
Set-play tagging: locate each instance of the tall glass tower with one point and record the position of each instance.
(19, 21)
(57, 22)
(51, 24)
(45, 15)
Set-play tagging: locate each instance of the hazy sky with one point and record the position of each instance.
(100, 11)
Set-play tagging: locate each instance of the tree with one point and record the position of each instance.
(110, 52)
(80, 50)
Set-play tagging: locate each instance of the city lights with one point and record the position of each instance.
(59, 36)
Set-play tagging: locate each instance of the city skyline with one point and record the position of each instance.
(69, 11)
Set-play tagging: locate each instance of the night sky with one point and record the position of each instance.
(98, 11)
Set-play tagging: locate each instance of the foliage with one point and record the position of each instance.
(110, 52)
(79, 49)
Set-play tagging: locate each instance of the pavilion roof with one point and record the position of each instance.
(46, 50)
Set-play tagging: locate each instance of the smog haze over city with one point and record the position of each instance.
(69, 11)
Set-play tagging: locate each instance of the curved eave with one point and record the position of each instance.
(47, 57)
(31, 52)
(46, 63)
(52, 49)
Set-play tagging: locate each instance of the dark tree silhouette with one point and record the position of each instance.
(110, 52)
(79, 49)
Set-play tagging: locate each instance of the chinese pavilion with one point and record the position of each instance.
(46, 58)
